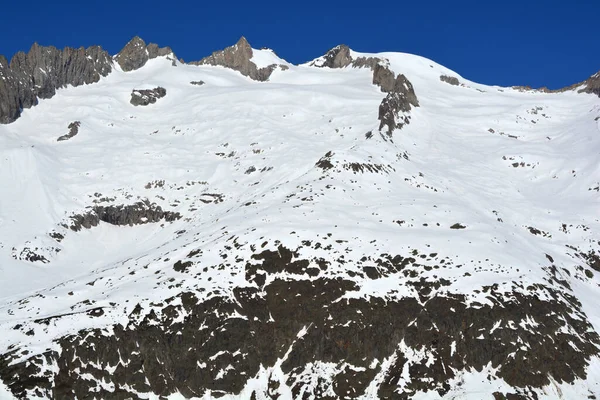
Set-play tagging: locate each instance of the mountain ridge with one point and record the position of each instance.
(25, 79)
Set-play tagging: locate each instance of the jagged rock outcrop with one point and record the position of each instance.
(37, 75)
(238, 57)
(384, 78)
(395, 106)
(143, 97)
(340, 57)
(142, 212)
(136, 54)
(73, 130)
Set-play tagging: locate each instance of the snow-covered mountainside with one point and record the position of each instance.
(359, 226)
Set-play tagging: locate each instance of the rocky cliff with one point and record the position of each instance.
(38, 73)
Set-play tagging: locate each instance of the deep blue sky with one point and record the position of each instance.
(538, 43)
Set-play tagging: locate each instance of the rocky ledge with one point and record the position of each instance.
(142, 212)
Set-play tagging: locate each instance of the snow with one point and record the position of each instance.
(265, 57)
(204, 139)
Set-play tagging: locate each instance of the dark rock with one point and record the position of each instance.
(136, 54)
(384, 78)
(144, 97)
(458, 226)
(142, 212)
(325, 162)
(197, 83)
(592, 85)
(39, 73)
(450, 79)
(237, 57)
(73, 130)
(395, 106)
(338, 57)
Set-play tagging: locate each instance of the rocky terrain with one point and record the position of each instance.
(361, 226)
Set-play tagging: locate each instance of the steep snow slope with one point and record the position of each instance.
(314, 256)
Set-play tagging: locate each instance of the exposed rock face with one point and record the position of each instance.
(450, 79)
(143, 97)
(136, 54)
(142, 212)
(384, 78)
(40, 72)
(593, 85)
(338, 57)
(237, 57)
(398, 101)
(184, 344)
(73, 130)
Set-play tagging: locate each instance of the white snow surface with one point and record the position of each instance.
(265, 57)
(256, 144)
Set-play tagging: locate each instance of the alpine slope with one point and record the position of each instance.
(361, 226)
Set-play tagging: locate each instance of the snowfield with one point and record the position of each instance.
(490, 193)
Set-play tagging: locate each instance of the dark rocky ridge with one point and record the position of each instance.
(142, 212)
(159, 352)
(136, 54)
(37, 75)
(400, 98)
(237, 57)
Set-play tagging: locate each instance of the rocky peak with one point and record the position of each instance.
(338, 57)
(243, 45)
(136, 54)
(238, 57)
(592, 85)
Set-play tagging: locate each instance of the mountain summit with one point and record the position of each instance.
(362, 226)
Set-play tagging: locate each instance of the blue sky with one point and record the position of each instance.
(538, 43)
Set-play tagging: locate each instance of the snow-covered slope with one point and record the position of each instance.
(266, 239)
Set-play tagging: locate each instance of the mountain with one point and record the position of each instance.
(359, 226)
